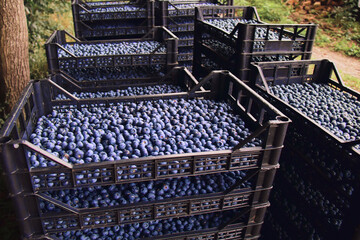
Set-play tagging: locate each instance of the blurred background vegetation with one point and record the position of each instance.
(44, 17)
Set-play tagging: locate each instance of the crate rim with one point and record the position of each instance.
(184, 235)
(99, 83)
(174, 200)
(144, 38)
(80, 2)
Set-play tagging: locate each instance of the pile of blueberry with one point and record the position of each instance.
(271, 58)
(182, 20)
(306, 181)
(107, 49)
(113, 25)
(114, 9)
(111, 30)
(332, 210)
(186, 9)
(272, 228)
(129, 91)
(185, 50)
(112, 13)
(228, 24)
(337, 169)
(132, 130)
(185, 54)
(102, 74)
(151, 228)
(190, 5)
(181, 25)
(99, 4)
(114, 195)
(186, 35)
(295, 215)
(335, 110)
(219, 47)
(208, 63)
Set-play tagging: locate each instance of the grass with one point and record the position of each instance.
(350, 81)
(343, 38)
(269, 11)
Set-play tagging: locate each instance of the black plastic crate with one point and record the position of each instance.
(180, 20)
(286, 73)
(267, 123)
(107, 10)
(313, 196)
(93, 22)
(332, 155)
(235, 228)
(71, 218)
(185, 54)
(260, 116)
(68, 60)
(112, 30)
(178, 76)
(304, 205)
(249, 41)
(329, 159)
(167, 10)
(286, 220)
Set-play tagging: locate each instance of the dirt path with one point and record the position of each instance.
(344, 63)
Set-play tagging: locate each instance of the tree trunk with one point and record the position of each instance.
(14, 51)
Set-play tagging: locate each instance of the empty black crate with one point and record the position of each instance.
(158, 47)
(323, 142)
(245, 40)
(112, 19)
(27, 183)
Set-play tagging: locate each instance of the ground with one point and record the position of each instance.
(346, 64)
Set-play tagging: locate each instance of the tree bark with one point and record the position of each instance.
(14, 51)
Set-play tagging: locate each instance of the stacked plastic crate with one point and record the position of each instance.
(317, 189)
(231, 38)
(115, 168)
(178, 17)
(112, 19)
(112, 60)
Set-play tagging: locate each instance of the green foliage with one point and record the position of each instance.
(3, 111)
(40, 26)
(269, 11)
(350, 49)
(348, 12)
(322, 39)
(2, 115)
(350, 81)
(39, 23)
